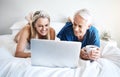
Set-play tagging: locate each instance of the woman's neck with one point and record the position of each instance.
(42, 37)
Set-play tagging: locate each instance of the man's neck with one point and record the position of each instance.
(80, 38)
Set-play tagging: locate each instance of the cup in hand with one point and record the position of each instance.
(89, 48)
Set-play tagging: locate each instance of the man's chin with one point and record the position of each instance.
(78, 36)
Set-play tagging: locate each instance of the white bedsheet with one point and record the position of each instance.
(108, 66)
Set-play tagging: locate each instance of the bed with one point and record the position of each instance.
(107, 66)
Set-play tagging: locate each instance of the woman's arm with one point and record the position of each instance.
(17, 36)
(22, 43)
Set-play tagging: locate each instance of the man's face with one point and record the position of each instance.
(79, 26)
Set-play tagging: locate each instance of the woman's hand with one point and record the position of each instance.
(93, 55)
(29, 17)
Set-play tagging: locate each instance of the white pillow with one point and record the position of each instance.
(4, 53)
(57, 26)
(8, 43)
(17, 26)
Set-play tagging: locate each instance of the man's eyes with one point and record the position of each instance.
(39, 25)
(46, 25)
(80, 26)
(77, 25)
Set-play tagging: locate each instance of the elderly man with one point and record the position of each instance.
(80, 29)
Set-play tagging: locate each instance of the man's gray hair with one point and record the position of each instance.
(85, 14)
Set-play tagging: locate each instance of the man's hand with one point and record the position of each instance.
(84, 54)
(93, 55)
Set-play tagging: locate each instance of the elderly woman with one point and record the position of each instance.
(39, 28)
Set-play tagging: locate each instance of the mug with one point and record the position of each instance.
(89, 48)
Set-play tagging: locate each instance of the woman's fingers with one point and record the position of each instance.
(29, 16)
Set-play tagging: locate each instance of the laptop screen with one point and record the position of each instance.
(53, 53)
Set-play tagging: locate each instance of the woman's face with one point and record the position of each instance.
(79, 26)
(42, 26)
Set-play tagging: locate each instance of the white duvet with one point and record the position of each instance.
(107, 66)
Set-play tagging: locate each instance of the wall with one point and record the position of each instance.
(106, 13)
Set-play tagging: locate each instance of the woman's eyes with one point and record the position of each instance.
(42, 25)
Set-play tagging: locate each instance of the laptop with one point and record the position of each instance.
(51, 53)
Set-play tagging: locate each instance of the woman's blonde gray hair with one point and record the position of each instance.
(40, 14)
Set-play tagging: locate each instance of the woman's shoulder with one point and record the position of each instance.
(27, 30)
(24, 32)
(27, 27)
(52, 29)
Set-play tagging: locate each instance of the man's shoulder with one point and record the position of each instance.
(68, 25)
(93, 29)
(65, 30)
